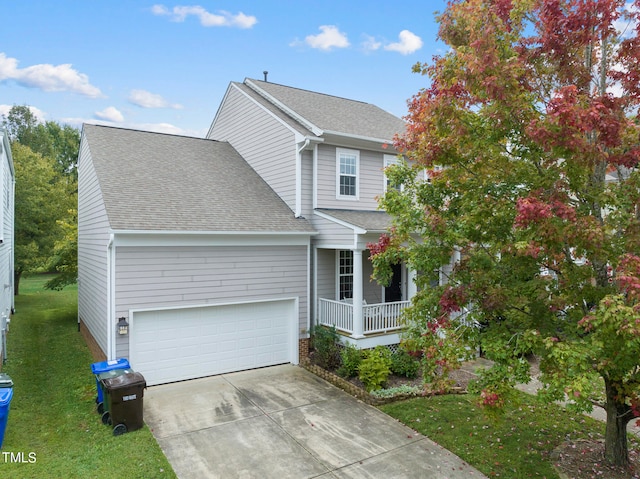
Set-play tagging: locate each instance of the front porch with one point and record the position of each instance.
(366, 326)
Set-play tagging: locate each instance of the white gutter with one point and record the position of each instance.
(353, 136)
(298, 210)
(111, 354)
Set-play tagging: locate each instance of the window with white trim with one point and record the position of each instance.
(345, 274)
(390, 160)
(347, 166)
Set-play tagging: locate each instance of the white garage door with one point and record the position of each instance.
(176, 344)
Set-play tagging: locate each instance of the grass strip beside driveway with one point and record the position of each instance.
(515, 442)
(53, 428)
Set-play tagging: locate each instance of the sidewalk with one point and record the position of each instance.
(534, 385)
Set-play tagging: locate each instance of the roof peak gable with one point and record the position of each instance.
(323, 114)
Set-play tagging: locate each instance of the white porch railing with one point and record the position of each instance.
(336, 313)
(377, 318)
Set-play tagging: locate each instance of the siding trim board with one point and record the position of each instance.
(174, 238)
(303, 121)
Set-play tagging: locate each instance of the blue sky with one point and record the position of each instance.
(165, 66)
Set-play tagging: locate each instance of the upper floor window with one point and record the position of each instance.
(390, 160)
(347, 166)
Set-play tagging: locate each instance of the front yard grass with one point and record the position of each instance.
(53, 429)
(514, 443)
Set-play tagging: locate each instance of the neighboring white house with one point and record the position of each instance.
(221, 253)
(7, 197)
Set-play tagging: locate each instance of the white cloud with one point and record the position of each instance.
(207, 19)
(147, 99)
(47, 77)
(626, 26)
(409, 43)
(37, 112)
(370, 44)
(110, 113)
(330, 38)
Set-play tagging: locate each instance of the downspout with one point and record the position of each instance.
(110, 296)
(298, 210)
(13, 243)
(315, 176)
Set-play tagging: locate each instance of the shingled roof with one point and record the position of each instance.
(370, 221)
(154, 181)
(321, 113)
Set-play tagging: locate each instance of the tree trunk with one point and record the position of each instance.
(616, 449)
(16, 282)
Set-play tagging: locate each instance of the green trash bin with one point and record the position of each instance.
(112, 373)
(124, 395)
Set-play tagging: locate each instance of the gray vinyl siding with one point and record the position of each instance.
(265, 143)
(370, 180)
(326, 269)
(93, 238)
(156, 277)
(372, 291)
(331, 234)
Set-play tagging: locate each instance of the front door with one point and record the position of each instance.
(393, 292)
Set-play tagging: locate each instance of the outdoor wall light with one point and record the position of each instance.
(123, 326)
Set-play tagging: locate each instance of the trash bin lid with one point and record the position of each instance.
(5, 381)
(5, 396)
(125, 380)
(120, 363)
(112, 373)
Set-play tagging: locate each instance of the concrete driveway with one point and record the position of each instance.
(284, 422)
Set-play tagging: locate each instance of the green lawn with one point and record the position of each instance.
(514, 443)
(53, 428)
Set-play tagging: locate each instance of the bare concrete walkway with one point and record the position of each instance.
(284, 422)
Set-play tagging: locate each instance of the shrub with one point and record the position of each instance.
(403, 364)
(404, 390)
(324, 342)
(375, 368)
(351, 358)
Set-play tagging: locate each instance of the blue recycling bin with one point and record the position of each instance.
(103, 367)
(6, 393)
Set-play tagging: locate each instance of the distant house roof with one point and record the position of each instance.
(155, 181)
(327, 114)
(371, 221)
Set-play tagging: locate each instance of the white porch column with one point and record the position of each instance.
(358, 295)
(412, 287)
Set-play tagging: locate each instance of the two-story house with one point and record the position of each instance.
(7, 206)
(325, 157)
(205, 256)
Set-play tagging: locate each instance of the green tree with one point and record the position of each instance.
(65, 253)
(50, 139)
(52, 247)
(529, 133)
(41, 199)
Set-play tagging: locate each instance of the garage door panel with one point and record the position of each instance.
(178, 344)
